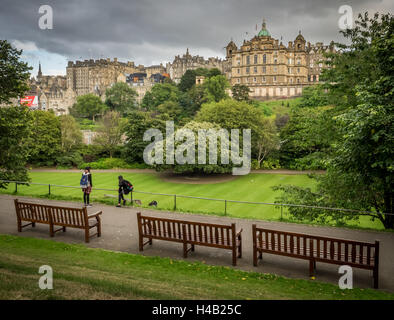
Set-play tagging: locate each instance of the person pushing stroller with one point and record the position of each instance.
(125, 187)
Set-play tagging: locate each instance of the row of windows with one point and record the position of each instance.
(264, 70)
(263, 79)
(266, 60)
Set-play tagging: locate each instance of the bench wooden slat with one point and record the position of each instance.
(55, 216)
(317, 248)
(188, 232)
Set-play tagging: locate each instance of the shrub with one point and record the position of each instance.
(113, 163)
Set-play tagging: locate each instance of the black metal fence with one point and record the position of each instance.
(281, 206)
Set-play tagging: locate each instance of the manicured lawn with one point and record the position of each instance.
(84, 273)
(253, 187)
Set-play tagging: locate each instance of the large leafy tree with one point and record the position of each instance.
(230, 114)
(70, 132)
(45, 138)
(361, 173)
(138, 123)
(88, 106)
(15, 129)
(307, 138)
(215, 88)
(121, 97)
(13, 73)
(160, 93)
(240, 92)
(188, 80)
(194, 149)
(110, 131)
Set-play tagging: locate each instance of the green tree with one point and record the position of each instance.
(215, 88)
(171, 108)
(195, 167)
(315, 96)
(15, 129)
(120, 97)
(361, 172)
(45, 138)
(266, 139)
(240, 92)
(110, 131)
(138, 123)
(14, 73)
(230, 114)
(88, 106)
(188, 80)
(307, 138)
(70, 132)
(160, 93)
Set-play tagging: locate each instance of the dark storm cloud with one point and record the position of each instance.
(151, 31)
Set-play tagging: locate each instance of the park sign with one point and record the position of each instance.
(30, 101)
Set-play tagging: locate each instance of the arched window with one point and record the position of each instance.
(255, 59)
(264, 58)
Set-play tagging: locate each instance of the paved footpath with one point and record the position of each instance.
(120, 233)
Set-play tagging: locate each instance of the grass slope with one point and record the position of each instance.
(253, 187)
(84, 273)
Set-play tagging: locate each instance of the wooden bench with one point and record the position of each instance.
(57, 216)
(317, 249)
(190, 233)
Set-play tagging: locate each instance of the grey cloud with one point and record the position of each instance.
(156, 30)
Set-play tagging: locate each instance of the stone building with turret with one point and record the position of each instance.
(271, 69)
(95, 76)
(181, 64)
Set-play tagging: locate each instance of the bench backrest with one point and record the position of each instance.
(195, 232)
(321, 248)
(62, 216)
(69, 217)
(31, 212)
(207, 233)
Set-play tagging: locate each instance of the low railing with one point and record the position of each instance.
(225, 201)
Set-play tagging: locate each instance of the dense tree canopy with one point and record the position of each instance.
(70, 133)
(110, 131)
(121, 98)
(88, 106)
(15, 128)
(44, 138)
(14, 73)
(361, 172)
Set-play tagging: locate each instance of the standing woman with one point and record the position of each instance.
(86, 185)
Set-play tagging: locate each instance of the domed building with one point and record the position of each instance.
(272, 70)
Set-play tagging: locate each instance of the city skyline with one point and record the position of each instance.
(148, 32)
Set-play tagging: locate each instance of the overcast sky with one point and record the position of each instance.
(154, 31)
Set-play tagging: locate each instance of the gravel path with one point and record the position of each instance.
(120, 234)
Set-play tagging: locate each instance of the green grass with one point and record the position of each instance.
(280, 106)
(253, 187)
(84, 273)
